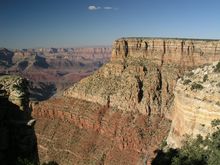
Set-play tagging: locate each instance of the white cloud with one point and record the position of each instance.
(108, 8)
(94, 7)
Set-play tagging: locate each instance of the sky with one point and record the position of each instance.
(78, 23)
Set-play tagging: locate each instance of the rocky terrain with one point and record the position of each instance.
(51, 70)
(121, 105)
(117, 114)
(196, 103)
(17, 140)
(71, 131)
(142, 73)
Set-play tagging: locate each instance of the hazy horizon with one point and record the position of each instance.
(67, 23)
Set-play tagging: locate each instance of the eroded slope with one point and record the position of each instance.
(71, 131)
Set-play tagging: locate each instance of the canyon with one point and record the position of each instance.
(121, 113)
(51, 70)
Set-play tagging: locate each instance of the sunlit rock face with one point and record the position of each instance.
(143, 72)
(196, 103)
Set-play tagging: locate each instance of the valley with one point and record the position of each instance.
(51, 70)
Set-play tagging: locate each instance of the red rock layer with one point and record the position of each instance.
(70, 131)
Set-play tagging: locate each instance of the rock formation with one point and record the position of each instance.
(71, 131)
(143, 71)
(17, 140)
(111, 117)
(51, 70)
(196, 103)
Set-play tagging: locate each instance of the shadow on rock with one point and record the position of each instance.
(17, 140)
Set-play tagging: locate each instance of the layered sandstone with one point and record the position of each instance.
(196, 103)
(71, 131)
(142, 73)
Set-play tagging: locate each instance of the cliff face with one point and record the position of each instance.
(17, 138)
(71, 131)
(142, 73)
(196, 103)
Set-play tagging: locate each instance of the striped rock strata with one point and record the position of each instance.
(196, 104)
(142, 73)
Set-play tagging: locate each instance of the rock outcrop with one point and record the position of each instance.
(17, 140)
(16, 89)
(142, 73)
(196, 103)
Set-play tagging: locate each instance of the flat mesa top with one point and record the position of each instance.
(164, 38)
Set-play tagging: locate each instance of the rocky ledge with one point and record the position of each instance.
(16, 89)
(17, 140)
(196, 103)
(143, 72)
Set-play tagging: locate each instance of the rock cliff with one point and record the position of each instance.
(142, 73)
(71, 131)
(196, 103)
(17, 140)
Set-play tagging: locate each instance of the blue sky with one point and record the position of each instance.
(72, 23)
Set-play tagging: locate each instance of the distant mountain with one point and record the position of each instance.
(5, 58)
(51, 70)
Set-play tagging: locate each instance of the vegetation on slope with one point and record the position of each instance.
(199, 151)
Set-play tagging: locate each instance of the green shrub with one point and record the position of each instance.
(196, 86)
(218, 85)
(186, 82)
(205, 78)
(199, 151)
(215, 122)
(24, 161)
(189, 74)
(217, 67)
